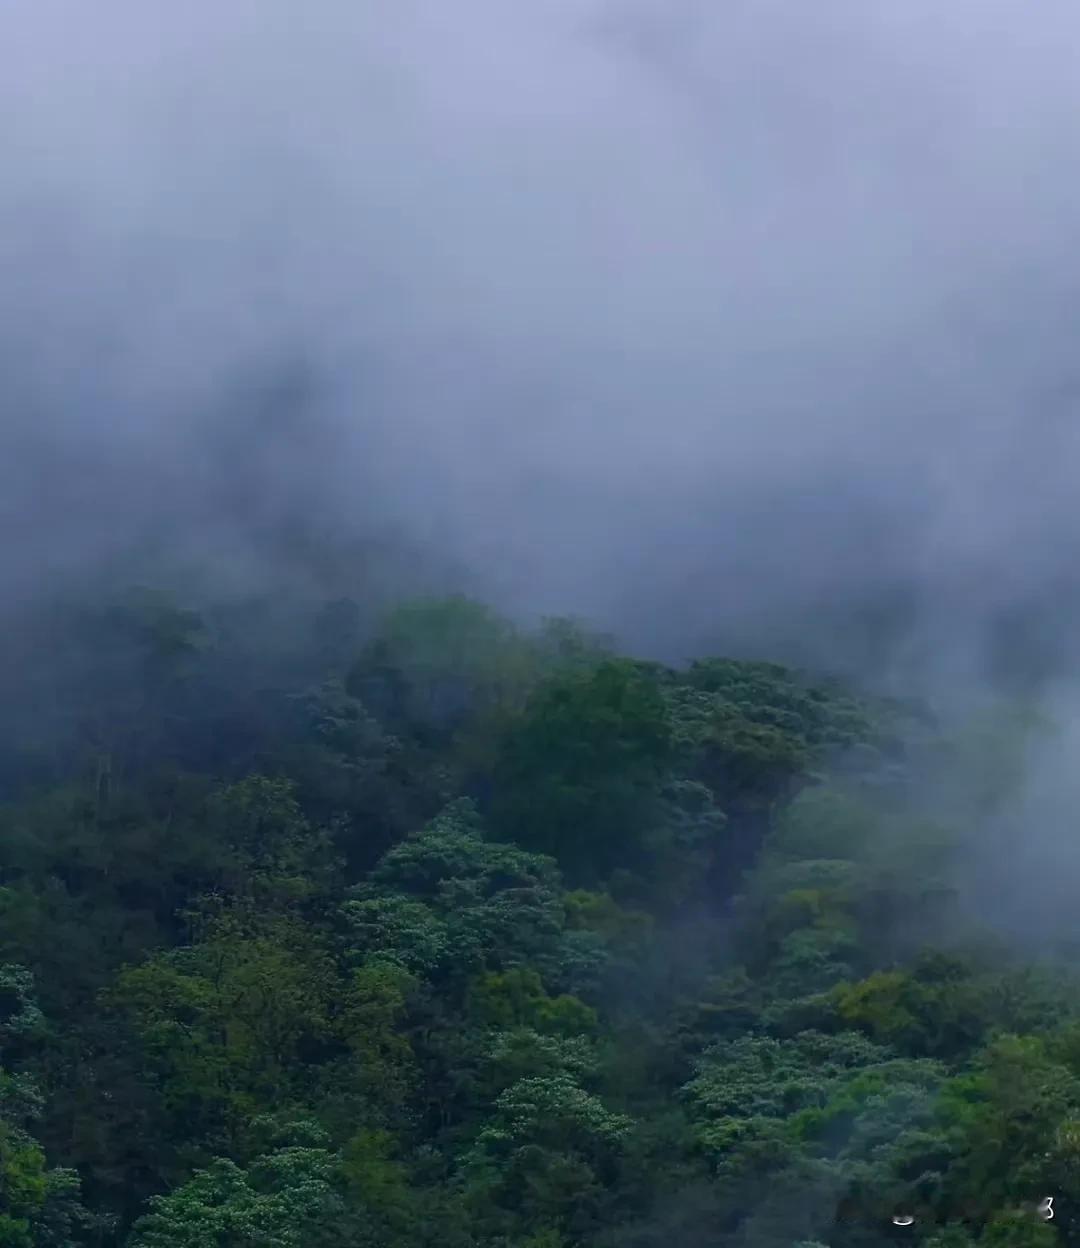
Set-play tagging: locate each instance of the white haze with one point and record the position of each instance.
(744, 323)
(741, 325)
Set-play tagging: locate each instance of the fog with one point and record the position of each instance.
(741, 324)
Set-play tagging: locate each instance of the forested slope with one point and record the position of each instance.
(445, 933)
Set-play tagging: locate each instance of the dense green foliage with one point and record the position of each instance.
(442, 933)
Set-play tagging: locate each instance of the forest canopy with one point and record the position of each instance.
(443, 931)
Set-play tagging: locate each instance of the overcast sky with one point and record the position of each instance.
(709, 320)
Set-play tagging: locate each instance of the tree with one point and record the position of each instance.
(290, 1198)
(39, 1207)
(484, 903)
(545, 1156)
(436, 663)
(275, 857)
(579, 775)
(227, 1021)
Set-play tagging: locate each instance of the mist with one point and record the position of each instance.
(742, 328)
(743, 325)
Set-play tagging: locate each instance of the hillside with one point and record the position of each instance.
(449, 933)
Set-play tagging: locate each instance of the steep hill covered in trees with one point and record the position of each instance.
(449, 933)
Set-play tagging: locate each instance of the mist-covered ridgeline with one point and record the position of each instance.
(539, 609)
